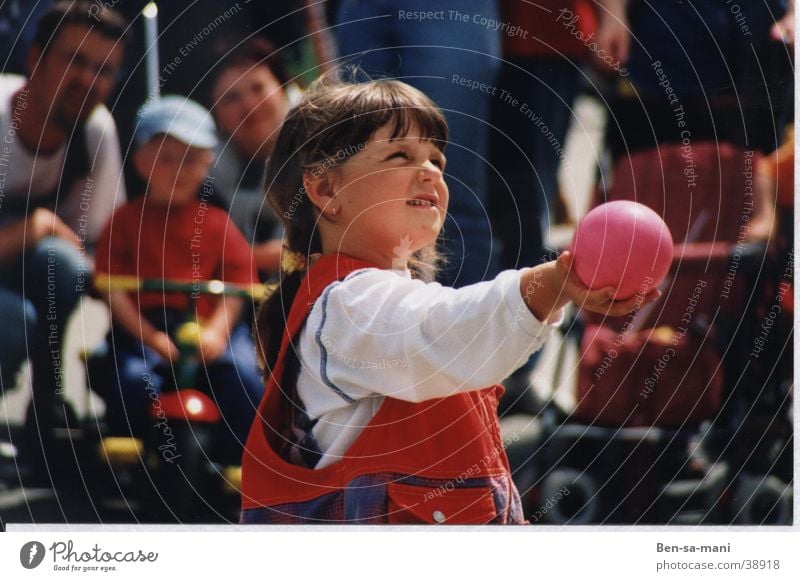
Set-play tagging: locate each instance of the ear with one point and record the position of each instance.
(320, 190)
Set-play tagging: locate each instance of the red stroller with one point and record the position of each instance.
(664, 391)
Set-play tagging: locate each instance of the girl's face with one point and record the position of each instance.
(250, 105)
(392, 197)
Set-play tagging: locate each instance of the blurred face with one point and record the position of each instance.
(76, 74)
(392, 195)
(174, 171)
(250, 106)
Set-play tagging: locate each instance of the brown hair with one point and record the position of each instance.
(333, 121)
(93, 15)
(228, 53)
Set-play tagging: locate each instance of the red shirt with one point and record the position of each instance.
(192, 242)
(549, 22)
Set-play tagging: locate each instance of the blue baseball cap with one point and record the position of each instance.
(179, 117)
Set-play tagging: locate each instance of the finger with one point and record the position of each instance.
(636, 301)
(624, 46)
(779, 32)
(653, 295)
(565, 260)
(64, 232)
(600, 296)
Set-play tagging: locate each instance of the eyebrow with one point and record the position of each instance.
(405, 138)
(402, 140)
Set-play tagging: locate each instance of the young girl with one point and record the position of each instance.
(382, 387)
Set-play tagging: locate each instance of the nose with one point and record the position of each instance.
(250, 103)
(428, 172)
(82, 79)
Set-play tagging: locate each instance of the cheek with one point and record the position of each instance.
(101, 89)
(274, 106)
(192, 176)
(228, 117)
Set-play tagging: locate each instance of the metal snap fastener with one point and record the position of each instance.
(438, 516)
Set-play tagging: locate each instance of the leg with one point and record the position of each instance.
(553, 86)
(462, 50)
(514, 177)
(237, 388)
(428, 55)
(135, 386)
(53, 280)
(362, 37)
(19, 322)
(528, 148)
(51, 277)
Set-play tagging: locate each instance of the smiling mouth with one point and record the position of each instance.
(423, 203)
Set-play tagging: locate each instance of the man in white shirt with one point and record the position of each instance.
(60, 180)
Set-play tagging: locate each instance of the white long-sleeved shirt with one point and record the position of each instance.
(380, 333)
(89, 203)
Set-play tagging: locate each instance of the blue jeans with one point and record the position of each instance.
(233, 381)
(527, 152)
(429, 55)
(20, 319)
(37, 297)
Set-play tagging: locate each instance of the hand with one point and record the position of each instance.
(212, 344)
(783, 29)
(613, 39)
(162, 344)
(761, 228)
(598, 300)
(43, 223)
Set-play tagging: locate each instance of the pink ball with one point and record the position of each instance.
(622, 244)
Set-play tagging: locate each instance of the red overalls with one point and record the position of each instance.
(439, 461)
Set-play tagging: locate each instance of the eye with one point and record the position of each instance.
(229, 98)
(438, 162)
(398, 154)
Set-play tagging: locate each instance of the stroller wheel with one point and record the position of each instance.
(569, 497)
(761, 500)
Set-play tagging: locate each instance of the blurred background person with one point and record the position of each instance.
(387, 40)
(187, 34)
(175, 143)
(64, 179)
(247, 90)
(541, 75)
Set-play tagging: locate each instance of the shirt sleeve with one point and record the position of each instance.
(91, 204)
(113, 253)
(378, 332)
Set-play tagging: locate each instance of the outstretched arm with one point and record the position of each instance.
(549, 287)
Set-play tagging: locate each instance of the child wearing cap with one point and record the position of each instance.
(171, 232)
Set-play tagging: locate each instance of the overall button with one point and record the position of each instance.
(438, 516)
